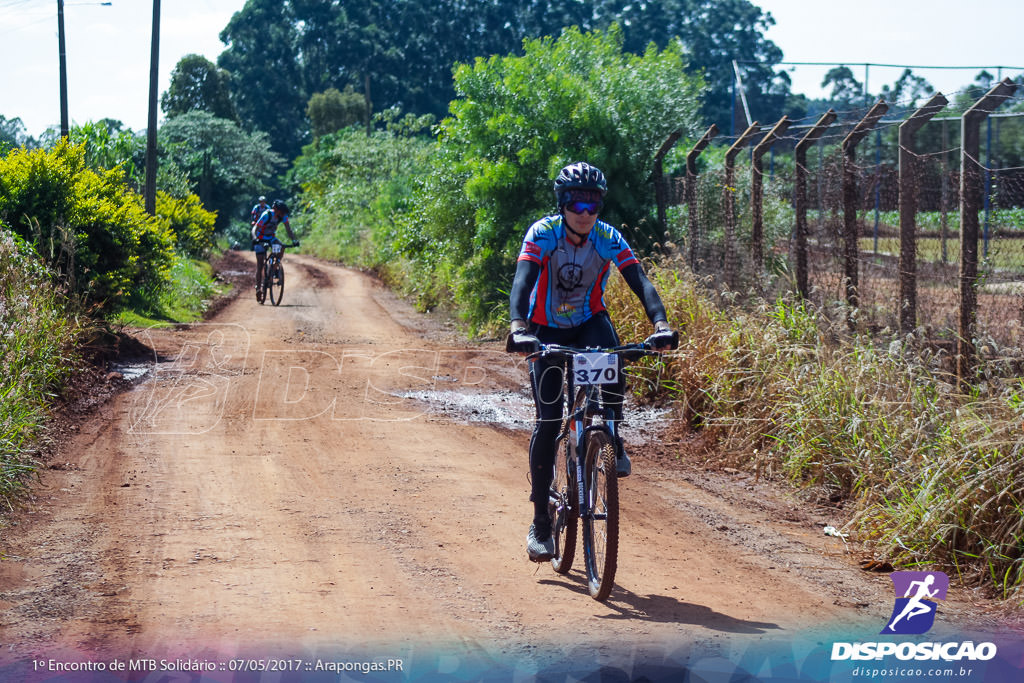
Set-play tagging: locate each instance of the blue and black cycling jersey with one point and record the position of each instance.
(570, 287)
(559, 284)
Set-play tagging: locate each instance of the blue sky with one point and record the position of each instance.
(906, 32)
(107, 54)
(108, 47)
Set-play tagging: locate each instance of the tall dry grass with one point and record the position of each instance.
(933, 477)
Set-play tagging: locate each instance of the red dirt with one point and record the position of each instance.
(266, 491)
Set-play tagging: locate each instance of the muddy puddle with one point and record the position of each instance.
(514, 410)
(131, 371)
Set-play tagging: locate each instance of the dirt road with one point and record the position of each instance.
(338, 474)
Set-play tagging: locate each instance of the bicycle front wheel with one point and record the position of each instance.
(601, 518)
(277, 284)
(563, 507)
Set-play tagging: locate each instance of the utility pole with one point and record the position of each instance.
(151, 166)
(64, 125)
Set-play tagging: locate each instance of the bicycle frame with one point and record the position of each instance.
(586, 403)
(271, 257)
(271, 263)
(586, 400)
(586, 463)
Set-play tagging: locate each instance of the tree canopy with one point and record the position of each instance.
(198, 85)
(518, 119)
(224, 164)
(12, 134)
(330, 111)
(280, 54)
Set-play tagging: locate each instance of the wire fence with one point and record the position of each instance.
(913, 224)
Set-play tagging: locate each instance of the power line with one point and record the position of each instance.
(894, 66)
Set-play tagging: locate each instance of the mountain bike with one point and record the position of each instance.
(585, 487)
(273, 272)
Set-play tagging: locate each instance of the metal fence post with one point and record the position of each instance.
(909, 169)
(729, 200)
(756, 193)
(851, 248)
(800, 199)
(691, 191)
(658, 178)
(970, 203)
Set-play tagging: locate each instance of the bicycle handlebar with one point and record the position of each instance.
(628, 351)
(286, 246)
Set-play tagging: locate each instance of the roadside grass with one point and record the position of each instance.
(932, 477)
(38, 330)
(191, 288)
(40, 325)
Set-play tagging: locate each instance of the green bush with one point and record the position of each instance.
(515, 122)
(188, 221)
(354, 187)
(88, 225)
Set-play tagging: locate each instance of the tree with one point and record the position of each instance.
(12, 134)
(198, 85)
(330, 111)
(224, 164)
(847, 91)
(517, 120)
(908, 90)
(108, 145)
(282, 53)
(267, 78)
(715, 33)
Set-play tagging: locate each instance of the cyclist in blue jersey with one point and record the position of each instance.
(557, 297)
(265, 228)
(257, 211)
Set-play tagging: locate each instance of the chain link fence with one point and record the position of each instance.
(913, 224)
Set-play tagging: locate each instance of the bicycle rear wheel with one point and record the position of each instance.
(562, 507)
(601, 519)
(276, 284)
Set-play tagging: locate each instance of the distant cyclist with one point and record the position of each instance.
(558, 298)
(265, 228)
(257, 211)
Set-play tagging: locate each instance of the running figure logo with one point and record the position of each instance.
(916, 592)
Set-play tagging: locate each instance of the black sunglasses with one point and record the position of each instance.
(584, 207)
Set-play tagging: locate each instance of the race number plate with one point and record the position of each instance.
(595, 368)
(277, 248)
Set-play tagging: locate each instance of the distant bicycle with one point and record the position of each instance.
(585, 486)
(272, 283)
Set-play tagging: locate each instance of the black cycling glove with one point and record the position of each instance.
(659, 340)
(521, 342)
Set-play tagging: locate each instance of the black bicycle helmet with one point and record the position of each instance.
(579, 176)
(278, 204)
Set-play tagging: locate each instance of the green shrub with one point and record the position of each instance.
(354, 188)
(188, 221)
(88, 225)
(515, 122)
